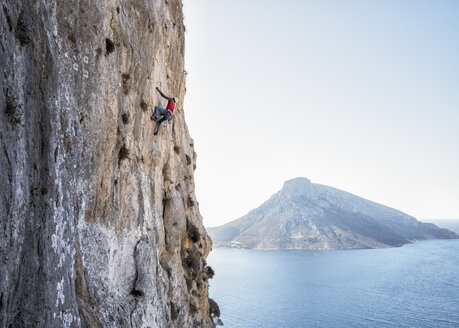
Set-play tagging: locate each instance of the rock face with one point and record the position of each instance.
(311, 216)
(99, 225)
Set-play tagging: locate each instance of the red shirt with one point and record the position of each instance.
(171, 106)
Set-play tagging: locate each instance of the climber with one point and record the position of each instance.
(166, 113)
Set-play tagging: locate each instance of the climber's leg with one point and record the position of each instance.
(166, 116)
(159, 123)
(159, 111)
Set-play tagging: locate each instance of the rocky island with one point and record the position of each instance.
(303, 215)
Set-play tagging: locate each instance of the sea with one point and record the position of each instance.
(416, 285)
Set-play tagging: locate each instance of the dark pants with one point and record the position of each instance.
(167, 115)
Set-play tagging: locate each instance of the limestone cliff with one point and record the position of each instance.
(99, 225)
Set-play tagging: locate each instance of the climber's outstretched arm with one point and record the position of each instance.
(163, 95)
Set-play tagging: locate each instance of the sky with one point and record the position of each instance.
(360, 95)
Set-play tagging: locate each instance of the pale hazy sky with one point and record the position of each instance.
(360, 95)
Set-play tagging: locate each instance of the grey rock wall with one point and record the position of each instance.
(93, 207)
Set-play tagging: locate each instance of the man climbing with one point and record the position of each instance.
(165, 112)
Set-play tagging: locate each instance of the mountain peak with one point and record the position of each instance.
(297, 187)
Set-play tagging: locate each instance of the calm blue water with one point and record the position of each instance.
(415, 285)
